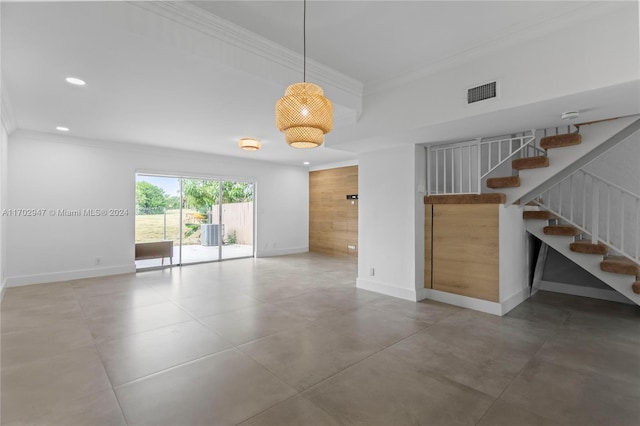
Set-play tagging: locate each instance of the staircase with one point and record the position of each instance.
(576, 216)
(619, 272)
(560, 155)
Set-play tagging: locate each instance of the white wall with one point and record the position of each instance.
(599, 52)
(3, 204)
(54, 172)
(620, 164)
(514, 266)
(387, 221)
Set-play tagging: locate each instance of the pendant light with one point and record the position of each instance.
(303, 113)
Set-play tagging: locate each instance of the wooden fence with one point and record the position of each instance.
(238, 218)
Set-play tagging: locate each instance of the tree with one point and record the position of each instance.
(202, 194)
(150, 199)
(172, 201)
(236, 192)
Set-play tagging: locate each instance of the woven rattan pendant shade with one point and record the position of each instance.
(304, 115)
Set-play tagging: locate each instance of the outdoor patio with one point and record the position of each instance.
(197, 253)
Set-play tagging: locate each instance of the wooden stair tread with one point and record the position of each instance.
(585, 246)
(530, 163)
(503, 182)
(488, 198)
(620, 265)
(538, 215)
(636, 287)
(558, 141)
(564, 230)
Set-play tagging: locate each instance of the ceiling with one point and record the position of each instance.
(199, 75)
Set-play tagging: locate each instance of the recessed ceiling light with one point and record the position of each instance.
(306, 163)
(62, 129)
(75, 81)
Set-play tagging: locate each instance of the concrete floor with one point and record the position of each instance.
(196, 253)
(290, 341)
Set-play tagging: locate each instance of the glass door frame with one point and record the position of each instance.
(181, 178)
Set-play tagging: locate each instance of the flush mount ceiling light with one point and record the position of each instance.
(62, 129)
(306, 163)
(304, 114)
(249, 144)
(75, 81)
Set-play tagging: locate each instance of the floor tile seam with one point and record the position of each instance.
(39, 420)
(217, 333)
(177, 300)
(298, 395)
(237, 345)
(298, 392)
(306, 292)
(586, 371)
(532, 358)
(289, 297)
(57, 354)
(98, 341)
(395, 316)
(407, 316)
(97, 317)
(551, 421)
(88, 316)
(106, 372)
(270, 407)
(217, 313)
(354, 364)
(79, 320)
(171, 368)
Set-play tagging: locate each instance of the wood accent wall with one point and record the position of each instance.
(333, 220)
(463, 252)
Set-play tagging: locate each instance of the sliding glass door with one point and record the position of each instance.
(201, 220)
(158, 221)
(201, 237)
(237, 217)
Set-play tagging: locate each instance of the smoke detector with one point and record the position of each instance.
(569, 115)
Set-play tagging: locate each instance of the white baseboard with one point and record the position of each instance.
(3, 288)
(386, 289)
(514, 300)
(69, 275)
(578, 290)
(464, 301)
(281, 252)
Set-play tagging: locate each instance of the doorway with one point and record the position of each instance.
(183, 220)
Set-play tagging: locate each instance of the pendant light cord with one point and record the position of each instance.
(304, 41)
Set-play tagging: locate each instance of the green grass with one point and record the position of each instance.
(151, 227)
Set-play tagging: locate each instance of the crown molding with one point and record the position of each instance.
(222, 30)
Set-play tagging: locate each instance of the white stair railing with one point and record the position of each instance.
(461, 168)
(602, 209)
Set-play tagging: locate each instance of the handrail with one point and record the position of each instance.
(602, 209)
(459, 168)
(512, 154)
(603, 180)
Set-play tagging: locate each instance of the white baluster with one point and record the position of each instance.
(595, 214)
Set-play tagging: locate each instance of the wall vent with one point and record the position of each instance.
(482, 92)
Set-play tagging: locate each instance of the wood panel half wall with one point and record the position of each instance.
(333, 219)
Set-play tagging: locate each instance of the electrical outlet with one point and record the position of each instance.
(372, 272)
(98, 261)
